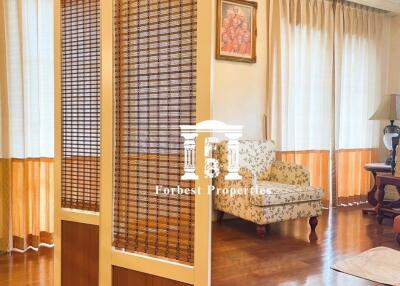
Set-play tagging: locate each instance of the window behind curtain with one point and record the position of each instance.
(301, 44)
(27, 113)
(327, 71)
(361, 46)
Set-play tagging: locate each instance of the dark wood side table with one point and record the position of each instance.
(375, 169)
(385, 208)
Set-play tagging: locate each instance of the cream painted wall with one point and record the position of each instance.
(239, 89)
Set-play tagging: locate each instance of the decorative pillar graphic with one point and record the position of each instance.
(190, 132)
(211, 166)
(190, 156)
(233, 156)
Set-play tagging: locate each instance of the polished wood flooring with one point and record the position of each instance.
(285, 257)
(31, 268)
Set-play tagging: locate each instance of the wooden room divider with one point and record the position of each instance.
(128, 73)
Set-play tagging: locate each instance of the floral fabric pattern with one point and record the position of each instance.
(274, 193)
(288, 173)
(245, 182)
(255, 156)
(286, 187)
(240, 206)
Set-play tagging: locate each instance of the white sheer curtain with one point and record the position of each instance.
(303, 75)
(362, 37)
(26, 111)
(327, 72)
(29, 44)
(300, 83)
(361, 72)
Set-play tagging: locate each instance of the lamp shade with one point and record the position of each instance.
(389, 109)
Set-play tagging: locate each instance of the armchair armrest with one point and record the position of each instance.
(246, 181)
(288, 173)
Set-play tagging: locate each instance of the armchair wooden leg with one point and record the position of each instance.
(379, 206)
(261, 229)
(379, 218)
(313, 222)
(220, 216)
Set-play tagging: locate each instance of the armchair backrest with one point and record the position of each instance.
(255, 156)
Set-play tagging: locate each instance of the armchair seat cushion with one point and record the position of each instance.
(274, 193)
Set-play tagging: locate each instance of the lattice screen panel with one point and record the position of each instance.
(80, 104)
(155, 73)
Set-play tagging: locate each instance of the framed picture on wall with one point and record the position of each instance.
(236, 30)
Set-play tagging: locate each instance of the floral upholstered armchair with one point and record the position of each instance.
(270, 191)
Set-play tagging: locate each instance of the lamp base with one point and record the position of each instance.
(391, 128)
(389, 132)
(389, 159)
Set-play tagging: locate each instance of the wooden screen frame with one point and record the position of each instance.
(62, 214)
(199, 274)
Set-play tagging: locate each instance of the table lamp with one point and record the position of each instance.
(389, 109)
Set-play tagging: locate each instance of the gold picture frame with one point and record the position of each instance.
(236, 33)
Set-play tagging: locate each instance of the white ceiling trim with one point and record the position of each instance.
(387, 5)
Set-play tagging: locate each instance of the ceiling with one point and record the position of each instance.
(388, 5)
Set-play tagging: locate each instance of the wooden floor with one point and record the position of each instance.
(31, 268)
(284, 257)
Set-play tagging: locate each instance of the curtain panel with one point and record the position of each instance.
(4, 169)
(326, 74)
(300, 84)
(361, 61)
(353, 182)
(27, 124)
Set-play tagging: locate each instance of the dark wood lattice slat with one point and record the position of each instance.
(155, 73)
(80, 175)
